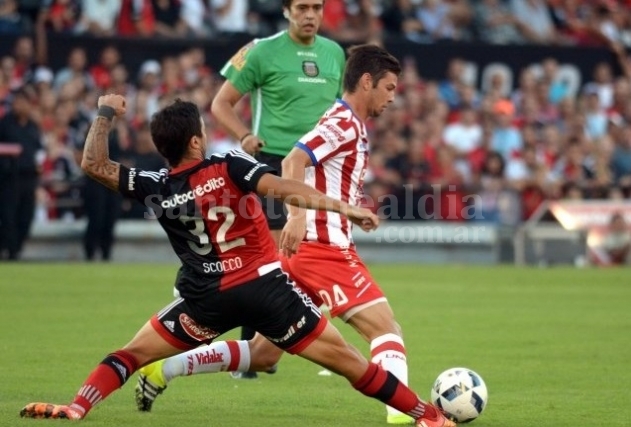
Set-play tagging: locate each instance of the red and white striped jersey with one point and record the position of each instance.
(338, 147)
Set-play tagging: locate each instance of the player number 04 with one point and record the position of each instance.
(339, 297)
(204, 247)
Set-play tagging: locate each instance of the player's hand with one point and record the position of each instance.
(117, 102)
(362, 217)
(293, 233)
(251, 144)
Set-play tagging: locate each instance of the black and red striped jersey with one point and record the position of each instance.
(212, 217)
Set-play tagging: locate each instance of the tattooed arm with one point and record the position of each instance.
(96, 160)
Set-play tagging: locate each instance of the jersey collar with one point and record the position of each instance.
(345, 104)
(185, 166)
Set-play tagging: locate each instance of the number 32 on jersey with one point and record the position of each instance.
(204, 245)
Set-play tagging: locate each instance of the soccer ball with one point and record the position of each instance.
(461, 393)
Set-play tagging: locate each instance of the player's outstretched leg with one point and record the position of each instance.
(377, 325)
(256, 355)
(107, 377)
(332, 352)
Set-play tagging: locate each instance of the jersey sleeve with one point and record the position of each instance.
(245, 171)
(243, 69)
(139, 184)
(329, 138)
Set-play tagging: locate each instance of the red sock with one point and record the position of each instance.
(384, 386)
(108, 376)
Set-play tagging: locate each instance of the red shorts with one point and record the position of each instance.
(335, 277)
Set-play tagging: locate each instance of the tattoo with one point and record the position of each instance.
(96, 158)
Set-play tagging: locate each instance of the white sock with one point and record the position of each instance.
(220, 356)
(389, 351)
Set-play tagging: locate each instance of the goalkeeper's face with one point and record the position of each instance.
(305, 17)
(382, 94)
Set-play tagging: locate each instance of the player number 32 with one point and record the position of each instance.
(204, 246)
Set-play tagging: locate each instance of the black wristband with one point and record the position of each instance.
(106, 111)
(245, 136)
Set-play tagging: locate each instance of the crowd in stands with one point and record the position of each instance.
(578, 22)
(446, 149)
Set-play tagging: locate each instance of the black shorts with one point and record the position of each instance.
(274, 210)
(270, 305)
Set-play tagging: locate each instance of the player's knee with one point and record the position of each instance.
(371, 329)
(264, 361)
(263, 355)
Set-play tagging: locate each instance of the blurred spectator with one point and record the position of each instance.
(494, 23)
(60, 16)
(609, 20)
(526, 87)
(596, 120)
(269, 15)
(534, 20)
(120, 84)
(448, 179)
(146, 103)
(506, 138)
(169, 22)
(572, 20)
(548, 112)
(621, 160)
(333, 17)
(361, 24)
(136, 18)
(98, 17)
(18, 197)
(443, 19)
(617, 240)
(490, 186)
(401, 19)
(464, 137)
(11, 21)
(29, 9)
(76, 69)
(558, 89)
(24, 61)
(101, 72)
(496, 87)
(230, 16)
(532, 179)
(603, 84)
(102, 206)
(450, 87)
(195, 14)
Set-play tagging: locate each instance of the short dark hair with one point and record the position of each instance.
(173, 127)
(371, 59)
(287, 3)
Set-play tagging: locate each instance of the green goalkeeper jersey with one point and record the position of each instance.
(290, 85)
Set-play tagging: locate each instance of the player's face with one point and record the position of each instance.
(305, 17)
(382, 95)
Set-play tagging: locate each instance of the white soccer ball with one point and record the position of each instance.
(461, 393)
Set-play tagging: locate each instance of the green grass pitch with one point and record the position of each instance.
(553, 345)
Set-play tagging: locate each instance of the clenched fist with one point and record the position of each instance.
(117, 102)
